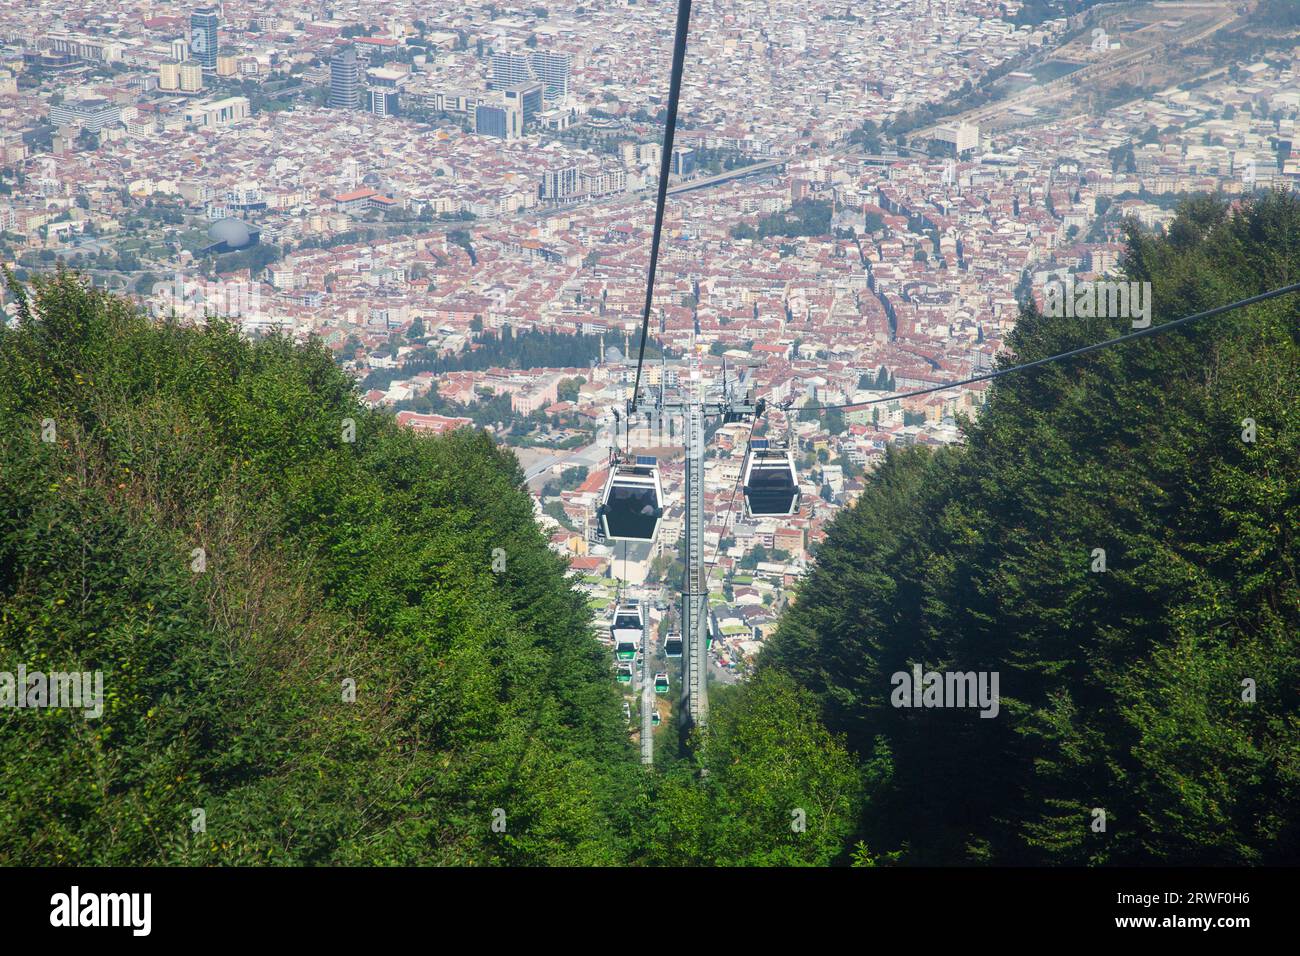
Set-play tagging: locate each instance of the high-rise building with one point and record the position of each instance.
(384, 87)
(180, 78)
(498, 119)
(553, 70)
(191, 77)
(683, 160)
(383, 102)
(510, 68)
(560, 184)
(203, 36)
(344, 90)
(527, 98)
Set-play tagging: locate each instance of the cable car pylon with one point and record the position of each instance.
(695, 586)
(637, 495)
(769, 472)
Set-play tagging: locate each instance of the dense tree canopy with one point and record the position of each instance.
(326, 560)
(1122, 690)
(1116, 541)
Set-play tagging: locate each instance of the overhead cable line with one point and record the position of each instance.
(998, 373)
(665, 166)
(731, 503)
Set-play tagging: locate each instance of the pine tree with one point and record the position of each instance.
(1122, 689)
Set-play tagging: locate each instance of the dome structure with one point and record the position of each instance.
(232, 233)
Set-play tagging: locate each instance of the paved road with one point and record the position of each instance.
(576, 456)
(730, 174)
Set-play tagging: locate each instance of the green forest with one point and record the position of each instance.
(328, 640)
(1121, 690)
(327, 561)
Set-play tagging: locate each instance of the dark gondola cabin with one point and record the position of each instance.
(673, 645)
(770, 481)
(632, 503)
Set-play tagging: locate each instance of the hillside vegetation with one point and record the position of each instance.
(1163, 690)
(1122, 690)
(326, 561)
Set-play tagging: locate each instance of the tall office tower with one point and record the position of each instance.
(383, 102)
(498, 119)
(510, 68)
(384, 86)
(527, 98)
(553, 70)
(345, 93)
(203, 36)
(683, 160)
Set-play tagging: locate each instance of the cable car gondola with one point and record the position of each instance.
(632, 502)
(628, 629)
(628, 616)
(771, 484)
(624, 673)
(661, 682)
(673, 645)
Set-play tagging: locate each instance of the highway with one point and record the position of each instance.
(738, 173)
